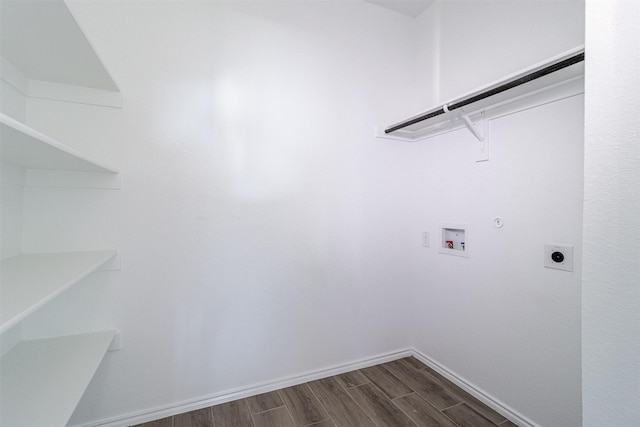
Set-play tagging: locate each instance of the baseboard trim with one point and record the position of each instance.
(497, 405)
(264, 387)
(242, 392)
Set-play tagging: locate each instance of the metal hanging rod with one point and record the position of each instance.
(491, 92)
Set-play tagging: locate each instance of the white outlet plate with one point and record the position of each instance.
(426, 239)
(566, 250)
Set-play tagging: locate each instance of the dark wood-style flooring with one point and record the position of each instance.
(404, 392)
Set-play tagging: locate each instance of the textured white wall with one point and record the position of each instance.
(611, 276)
(257, 226)
(500, 319)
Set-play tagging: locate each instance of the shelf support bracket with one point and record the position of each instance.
(480, 131)
(473, 128)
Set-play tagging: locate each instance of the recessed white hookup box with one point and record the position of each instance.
(454, 240)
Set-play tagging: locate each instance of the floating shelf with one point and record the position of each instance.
(559, 77)
(27, 282)
(43, 380)
(27, 147)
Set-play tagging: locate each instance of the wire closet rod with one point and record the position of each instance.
(496, 90)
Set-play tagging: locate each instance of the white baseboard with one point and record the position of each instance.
(264, 387)
(478, 393)
(242, 392)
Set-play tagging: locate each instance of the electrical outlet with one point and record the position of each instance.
(559, 257)
(426, 239)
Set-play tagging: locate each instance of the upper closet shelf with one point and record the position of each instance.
(45, 54)
(28, 282)
(557, 77)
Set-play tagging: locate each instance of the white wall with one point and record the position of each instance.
(256, 222)
(478, 42)
(499, 319)
(12, 177)
(13, 102)
(265, 233)
(611, 275)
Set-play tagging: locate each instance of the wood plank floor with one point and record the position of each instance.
(401, 393)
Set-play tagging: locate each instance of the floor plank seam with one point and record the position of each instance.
(268, 410)
(322, 405)
(286, 408)
(404, 395)
(452, 406)
(253, 422)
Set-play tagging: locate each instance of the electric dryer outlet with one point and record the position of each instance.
(559, 257)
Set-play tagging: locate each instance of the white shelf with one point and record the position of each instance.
(45, 42)
(43, 380)
(44, 54)
(556, 85)
(27, 147)
(27, 282)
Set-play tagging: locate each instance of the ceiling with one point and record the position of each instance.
(412, 8)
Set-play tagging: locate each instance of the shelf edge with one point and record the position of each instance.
(23, 314)
(27, 370)
(380, 133)
(42, 138)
